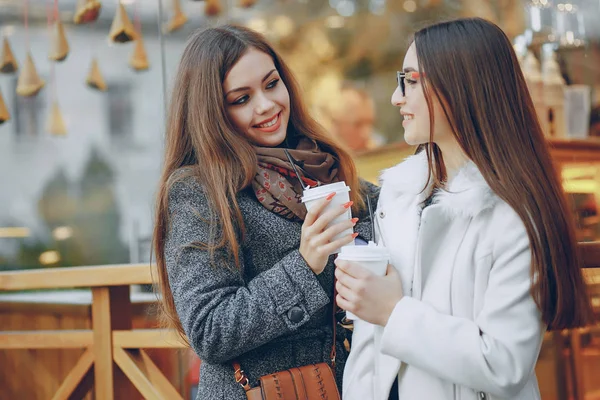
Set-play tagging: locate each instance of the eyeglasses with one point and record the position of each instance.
(412, 77)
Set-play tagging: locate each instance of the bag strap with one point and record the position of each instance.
(333, 325)
(242, 378)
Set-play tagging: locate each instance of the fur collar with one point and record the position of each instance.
(467, 195)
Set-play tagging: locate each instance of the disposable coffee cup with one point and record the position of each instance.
(372, 257)
(311, 196)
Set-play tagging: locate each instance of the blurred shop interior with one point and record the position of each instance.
(82, 118)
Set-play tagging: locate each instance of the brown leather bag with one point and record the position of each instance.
(308, 382)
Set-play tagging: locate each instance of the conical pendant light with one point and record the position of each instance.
(246, 3)
(139, 59)
(86, 11)
(29, 83)
(212, 7)
(59, 48)
(56, 124)
(95, 79)
(122, 30)
(8, 63)
(4, 114)
(178, 19)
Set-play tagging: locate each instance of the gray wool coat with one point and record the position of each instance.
(271, 315)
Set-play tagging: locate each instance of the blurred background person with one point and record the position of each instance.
(353, 120)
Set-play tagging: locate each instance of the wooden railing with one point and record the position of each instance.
(574, 347)
(111, 341)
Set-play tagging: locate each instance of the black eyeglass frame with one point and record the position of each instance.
(401, 77)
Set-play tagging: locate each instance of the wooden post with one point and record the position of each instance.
(577, 365)
(561, 376)
(111, 310)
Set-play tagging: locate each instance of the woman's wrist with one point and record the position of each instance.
(308, 265)
(389, 311)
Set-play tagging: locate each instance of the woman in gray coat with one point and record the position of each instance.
(245, 272)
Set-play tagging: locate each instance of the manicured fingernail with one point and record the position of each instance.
(354, 235)
(330, 196)
(348, 204)
(354, 220)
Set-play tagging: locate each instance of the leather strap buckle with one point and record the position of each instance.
(241, 378)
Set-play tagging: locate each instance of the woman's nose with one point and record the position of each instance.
(397, 98)
(264, 104)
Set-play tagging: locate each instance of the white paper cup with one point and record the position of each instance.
(371, 257)
(313, 195)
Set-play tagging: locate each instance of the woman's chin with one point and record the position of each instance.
(414, 140)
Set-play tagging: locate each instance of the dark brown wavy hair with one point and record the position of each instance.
(471, 68)
(200, 136)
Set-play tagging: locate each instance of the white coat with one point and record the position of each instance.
(467, 327)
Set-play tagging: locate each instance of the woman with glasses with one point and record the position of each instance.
(245, 272)
(481, 238)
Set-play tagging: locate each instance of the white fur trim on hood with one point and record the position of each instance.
(466, 195)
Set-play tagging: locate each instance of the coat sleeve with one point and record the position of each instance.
(360, 368)
(496, 353)
(222, 315)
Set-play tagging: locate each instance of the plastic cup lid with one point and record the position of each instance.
(371, 252)
(323, 190)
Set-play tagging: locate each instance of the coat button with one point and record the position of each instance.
(381, 214)
(295, 314)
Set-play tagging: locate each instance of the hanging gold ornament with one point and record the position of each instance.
(212, 7)
(56, 124)
(4, 114)
(86, 11)
(59, 48)
(122, 30)
(95, 79)
(29, 82)
(179, 18)
(246, 3)
(8, 63)
(139, 59)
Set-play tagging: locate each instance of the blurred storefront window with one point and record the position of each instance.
(86, 198)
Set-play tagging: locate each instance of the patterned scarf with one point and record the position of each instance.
(276, 185)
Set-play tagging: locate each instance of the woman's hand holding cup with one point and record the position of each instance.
(317, 241)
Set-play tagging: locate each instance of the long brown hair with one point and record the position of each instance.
(471, 68)
(198, 131)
